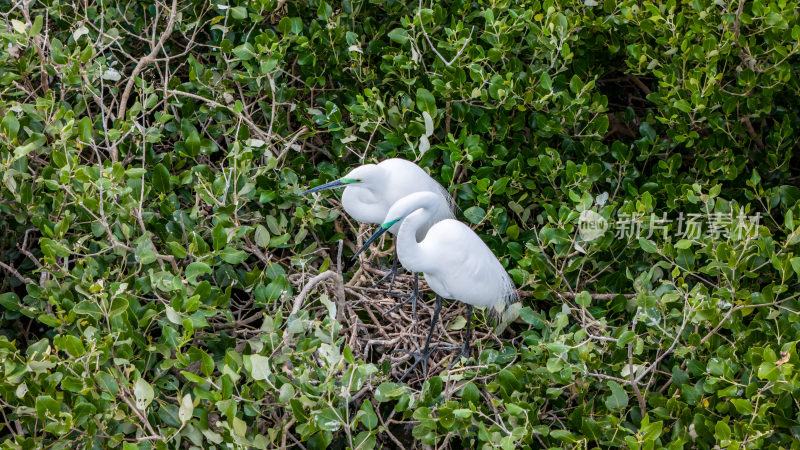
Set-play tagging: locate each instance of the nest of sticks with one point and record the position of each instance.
(377, 337)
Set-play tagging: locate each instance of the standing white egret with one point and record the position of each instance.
(455, 262)
(371, 189)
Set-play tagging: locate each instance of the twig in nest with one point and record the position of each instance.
(327, 275)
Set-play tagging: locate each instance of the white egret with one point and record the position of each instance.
(455, 262)
(371, 189)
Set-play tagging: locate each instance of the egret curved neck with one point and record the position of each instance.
(411, 253)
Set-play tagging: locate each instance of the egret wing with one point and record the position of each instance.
(466, 267)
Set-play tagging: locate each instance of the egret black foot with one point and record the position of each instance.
(465, 353)
(389, 273)
(418, 358)
(423, 356)
(411, 298)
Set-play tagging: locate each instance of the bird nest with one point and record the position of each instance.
(379, 337)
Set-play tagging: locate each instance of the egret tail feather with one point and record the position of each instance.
(506, 311)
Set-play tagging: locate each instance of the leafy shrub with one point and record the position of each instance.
(155, 244)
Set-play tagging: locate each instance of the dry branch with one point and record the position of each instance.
(255, 129)
(327, 275)
(14, 272)
(149, 59)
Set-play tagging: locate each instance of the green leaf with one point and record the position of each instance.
(74, 346)
(161, 181)
(388, 391)
(186, 409)
(531, 317)
(369, 419)
(475, 214)
(143, 393)
(722, 431)
(618, 398)
(38, 22)
(195, 270)
(683, 106)
(795, 262)
(87, 307)
(277, 241)
(135, 172)
(85, 130)
(239, 426)
(575, 84)
(72, 384)
(545, 81)
(327, 420)
(47, 405)
(244, 52)
(219, 236)
(233, 256)
(645, 129)
(398, 35)
(118, 306)
(107, 382)
(10, 301)
(648, 245)
(470, 393)
(743, 406)
(192, 143)
(260, 367)
(286, 393)
(239, 12)
(262, 236)
(10, 125)
(583, 299)
(426, 101)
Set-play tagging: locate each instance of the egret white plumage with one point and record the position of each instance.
(371, 189)
(455, 262)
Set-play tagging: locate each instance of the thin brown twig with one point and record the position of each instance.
(255, 129)
(327, 275)
(151, 57)
(14, 272)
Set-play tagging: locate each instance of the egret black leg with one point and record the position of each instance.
(415, 296)
(434, 319)
(389, 273)
(465, 348)
(426, 352)
(411, 298)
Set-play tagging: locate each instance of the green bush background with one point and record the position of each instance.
(151, 158)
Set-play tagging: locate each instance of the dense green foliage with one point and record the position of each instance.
(153, 240)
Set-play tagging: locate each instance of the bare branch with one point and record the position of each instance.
(255, 129)
(427, 38)
(327, 275)
(16, 274)
(150, 58)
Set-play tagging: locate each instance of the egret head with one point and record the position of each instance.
(365, 175)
